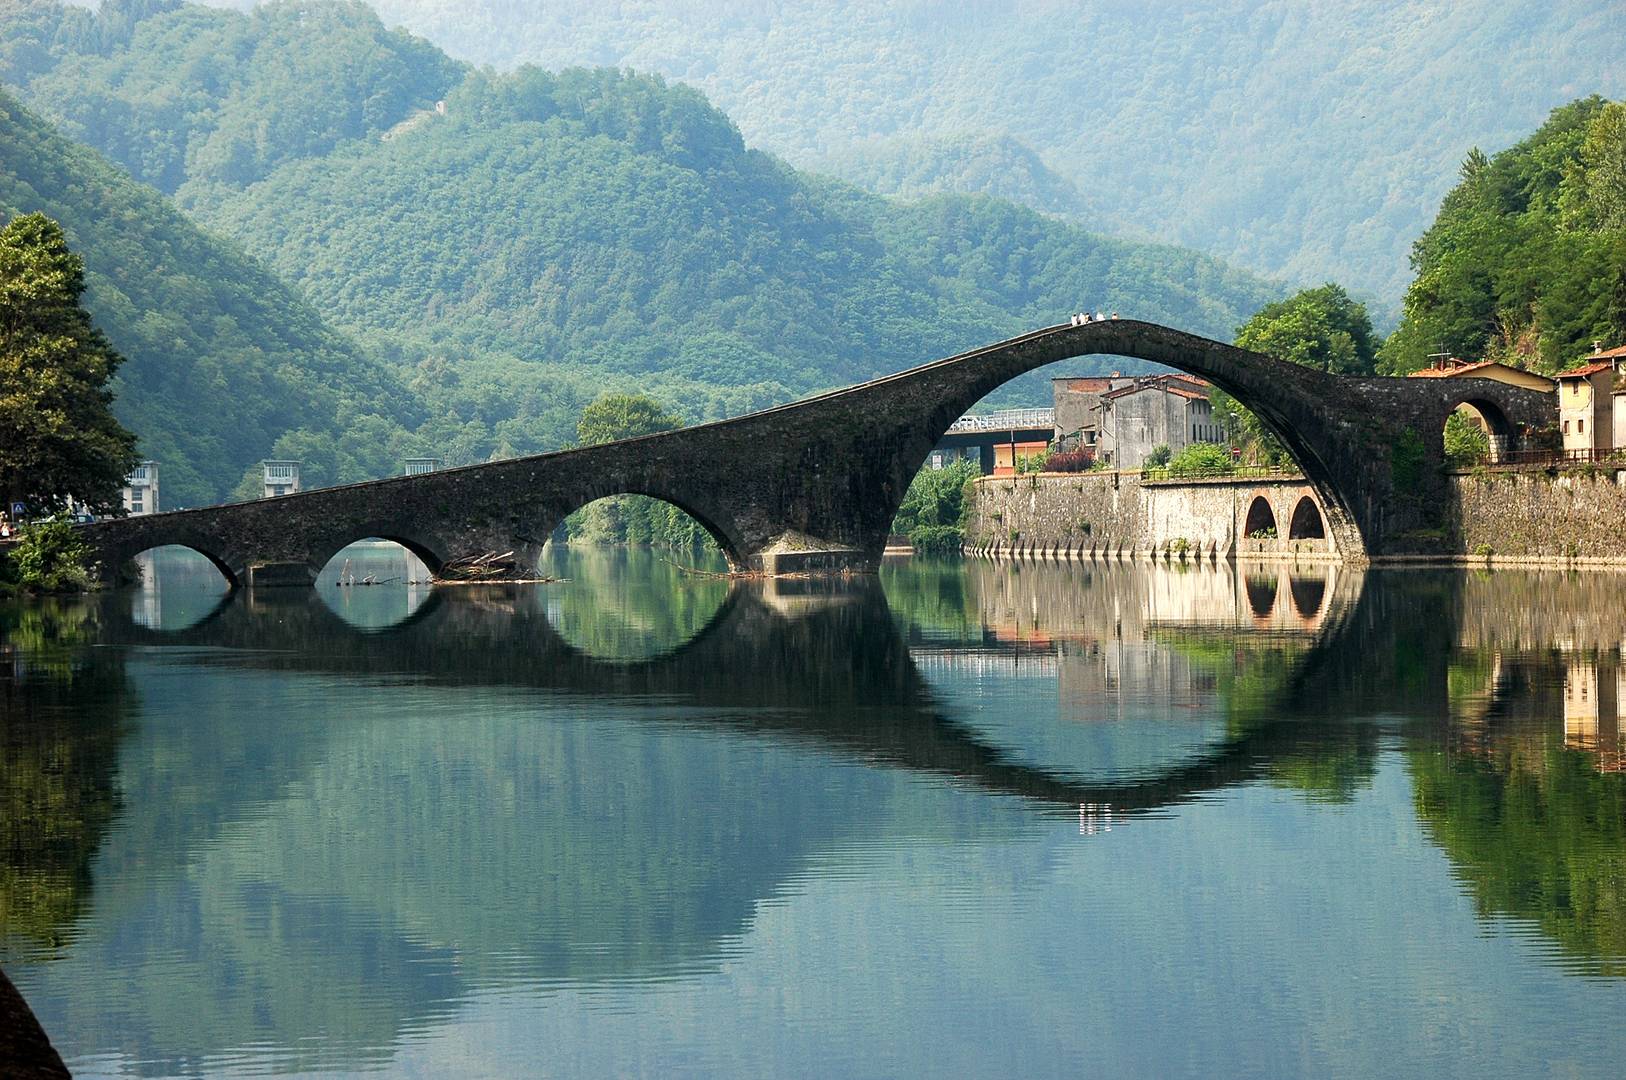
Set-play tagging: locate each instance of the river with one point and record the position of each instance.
(961, 819)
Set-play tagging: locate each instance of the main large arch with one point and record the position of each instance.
(820, 480)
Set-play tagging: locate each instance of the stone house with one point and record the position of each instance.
(1077, 404)
(1157, 410)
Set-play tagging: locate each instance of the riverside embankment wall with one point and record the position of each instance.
(1534, 516)
(1118, 514)
(1577, 516)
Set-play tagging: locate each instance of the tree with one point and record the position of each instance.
(623, 416)
(58, 437)
(1322, 328)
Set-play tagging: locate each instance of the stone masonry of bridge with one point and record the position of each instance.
(815, 484)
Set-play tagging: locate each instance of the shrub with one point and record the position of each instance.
(50, 557)
(1070, 461)
(1202, 459)
(1159, 457)
(1466, 443)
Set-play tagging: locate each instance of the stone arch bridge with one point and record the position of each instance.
(815, 484)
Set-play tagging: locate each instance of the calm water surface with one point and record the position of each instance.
(962, 820)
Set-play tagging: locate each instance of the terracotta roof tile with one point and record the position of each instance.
(1585, 369)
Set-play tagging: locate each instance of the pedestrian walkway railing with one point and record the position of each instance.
(1005, 420)
(1215, 472)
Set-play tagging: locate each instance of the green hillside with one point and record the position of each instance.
(517, 243)
(612, 221)
(1310, 140)
(222, 358)
(1526, 261)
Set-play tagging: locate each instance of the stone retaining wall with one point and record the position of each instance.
(1117, 514)
(1536, 516)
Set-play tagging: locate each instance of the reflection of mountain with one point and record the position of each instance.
(312, 862)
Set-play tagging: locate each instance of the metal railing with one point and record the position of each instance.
(1005, 419)
(1589, 456)
(1234, 472)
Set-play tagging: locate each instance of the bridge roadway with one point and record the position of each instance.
(815, 484)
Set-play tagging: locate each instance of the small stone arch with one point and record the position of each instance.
(232, 574)
(1306, 523)
(426, 550)
(1501, 432)
(1261, 518)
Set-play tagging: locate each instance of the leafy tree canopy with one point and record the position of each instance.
(58, 437)
(623, 416)
(1526, 262)
(1320, 328)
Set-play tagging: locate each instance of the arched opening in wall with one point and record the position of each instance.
(1476, 433)
(638, 530)
(1306, 523)
(176, 587)
(1260, 524)
(375, 583)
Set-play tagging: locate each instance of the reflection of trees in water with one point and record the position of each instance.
(1533, 823)
(630, 603)
(65, 709)
(582, 879)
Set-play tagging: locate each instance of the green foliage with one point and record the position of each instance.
(1321, 328)
(221, 358)
(1201, 459)
(933, 510)
(51, 558)
(1526, 262)
(58, 437)
(623, 416)
(1160, 456)
(1329, 123)
(1466, 443)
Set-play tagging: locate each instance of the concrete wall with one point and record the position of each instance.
(1117, 513)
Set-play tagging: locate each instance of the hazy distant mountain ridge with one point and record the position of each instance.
(1311, 140)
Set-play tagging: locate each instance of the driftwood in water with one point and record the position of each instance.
(489, 566)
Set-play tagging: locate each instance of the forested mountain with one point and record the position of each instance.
(1311, 140)
(1526, 261)
(513, 245)
(222, 359)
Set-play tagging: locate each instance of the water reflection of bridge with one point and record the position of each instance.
(829, 671)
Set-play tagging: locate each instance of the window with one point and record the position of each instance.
(1566, 427)
(1580, 427)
